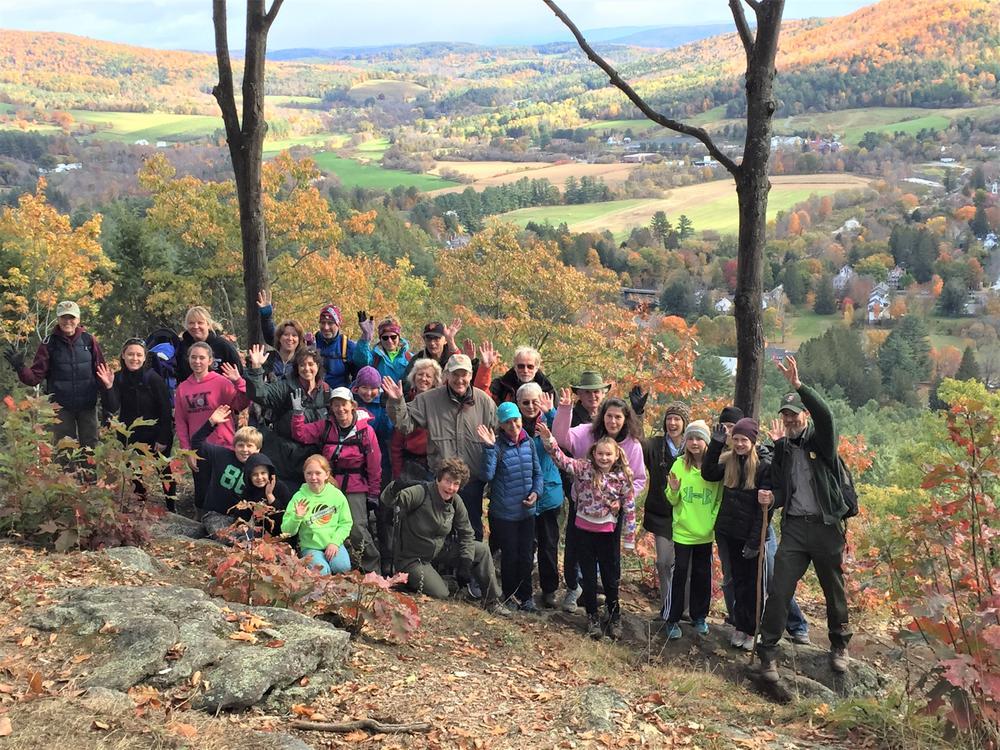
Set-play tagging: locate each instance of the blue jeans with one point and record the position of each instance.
(341, 562)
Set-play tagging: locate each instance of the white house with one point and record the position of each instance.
(878, 303)
(844, 277)
(724, 306)
(773, 298)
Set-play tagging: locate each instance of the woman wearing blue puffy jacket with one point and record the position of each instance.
(510, 464)
(536, 405)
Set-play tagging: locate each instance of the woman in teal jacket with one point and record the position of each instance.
(390, 355)
(535, 404)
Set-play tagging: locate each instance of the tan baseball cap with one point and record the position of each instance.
(67, 307)
(458, 362)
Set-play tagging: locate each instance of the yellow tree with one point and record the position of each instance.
(47, 260)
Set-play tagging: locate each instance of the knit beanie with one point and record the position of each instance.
(698, 429)
(748, 428)
(331, 312)
(388, 326)
(367, 377)
(731, 415)
(679, 409)
(507, 410)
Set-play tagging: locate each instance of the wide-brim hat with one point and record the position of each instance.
(590, 380)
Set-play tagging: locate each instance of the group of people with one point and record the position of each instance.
(378, 457)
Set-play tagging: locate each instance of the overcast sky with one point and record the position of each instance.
(187, 24)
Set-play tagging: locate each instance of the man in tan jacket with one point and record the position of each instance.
(451, 414)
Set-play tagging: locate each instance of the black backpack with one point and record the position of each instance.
(845, 484)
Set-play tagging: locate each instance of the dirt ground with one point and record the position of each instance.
(479, 681)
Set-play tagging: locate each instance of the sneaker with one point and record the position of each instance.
(499, 609)
(768, 670)
(673, 631)
(474, 590)
(529, 606)
(615, 629)
(700, 627)
(839, 659)
(550, 600)
(748, 644)
(738, 639)
(594, 629)
(801, 638)
(569, 601)
(510, 605)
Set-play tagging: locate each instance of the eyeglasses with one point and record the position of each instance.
(389, 337)
(523, 366)
(528, 403)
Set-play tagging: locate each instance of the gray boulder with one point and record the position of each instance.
(163, 635)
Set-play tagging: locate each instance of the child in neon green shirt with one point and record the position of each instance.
(319, 514)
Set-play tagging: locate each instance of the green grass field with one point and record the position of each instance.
(619, 125)
(314, 140)
(709, 206)
(151, 126)
(850, 125)
(386, 88)
(374, 148)
(355, 174)
(275, 100)
(809, 325)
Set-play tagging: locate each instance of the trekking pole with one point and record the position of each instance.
(760, 579)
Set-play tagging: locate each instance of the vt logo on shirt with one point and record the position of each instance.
(197, 401)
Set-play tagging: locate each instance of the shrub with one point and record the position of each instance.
(63, 497)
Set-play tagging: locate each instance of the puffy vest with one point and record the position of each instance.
(71, 380)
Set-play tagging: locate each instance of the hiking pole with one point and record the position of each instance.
(760, 577)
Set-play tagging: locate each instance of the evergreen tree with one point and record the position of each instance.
(715, 378)
(660, 227)
(953, 296)
(677, 298)
(826, 302)
(684, 227)
(796, 287)
(969, 368)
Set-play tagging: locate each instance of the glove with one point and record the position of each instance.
(719, 433)
(296, 398)
(749, 553)
(367, 324)
(638, 399)
(14, 357)
(464, 573)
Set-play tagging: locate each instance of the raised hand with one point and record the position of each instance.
(545, 402)
(674, 482)
(220, 415)
(486, 434)
(638, 398)
(391, 388)
(269, 488)
(565, 397)
(301, 508)
(487, 354)
(263, 298)
(367, 324)
(790, 370)
(14, 358)
(230, 372)
(719, 433)
(469, 348)
(777, 430)
(542, 429)
(258, 355)
(296, 398)
(105, 375)
(450, 331)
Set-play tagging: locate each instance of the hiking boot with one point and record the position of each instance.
(569, 601)
(615, 628)
(499, 609)
(839, 659)
(700, 627)
(594, 629)
(673, 631)
(768, 670)
(801, 638)
(550, 600)
(529, 606)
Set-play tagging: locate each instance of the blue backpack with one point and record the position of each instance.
(162, 345)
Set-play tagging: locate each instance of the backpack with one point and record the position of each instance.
(162, 345)
(395, 536)
(848, 492)
(354, 437)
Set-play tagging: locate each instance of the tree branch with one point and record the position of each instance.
(742, 27)
(223, 90)
(369, 724)
(618, 82)
(272, 14)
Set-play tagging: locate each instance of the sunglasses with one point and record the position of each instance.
(523, 366)
(389, 337)
(529, 402)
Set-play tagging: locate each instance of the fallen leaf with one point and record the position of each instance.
(356, 736)
(35, 682)
(184, 730)
(241, 636)
(100, 725)
(5, 727)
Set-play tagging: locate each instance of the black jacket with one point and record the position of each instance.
(142, 394)
(740, 515)
(272, 522)
(658, 516)
(504, 388)
(222, 351)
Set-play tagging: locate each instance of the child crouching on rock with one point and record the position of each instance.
(602, 492)
(319, 514)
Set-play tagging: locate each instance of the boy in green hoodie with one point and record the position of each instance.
(695, 505)
(319, 514)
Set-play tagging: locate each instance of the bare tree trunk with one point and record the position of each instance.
(752, 184)
(246, 143)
